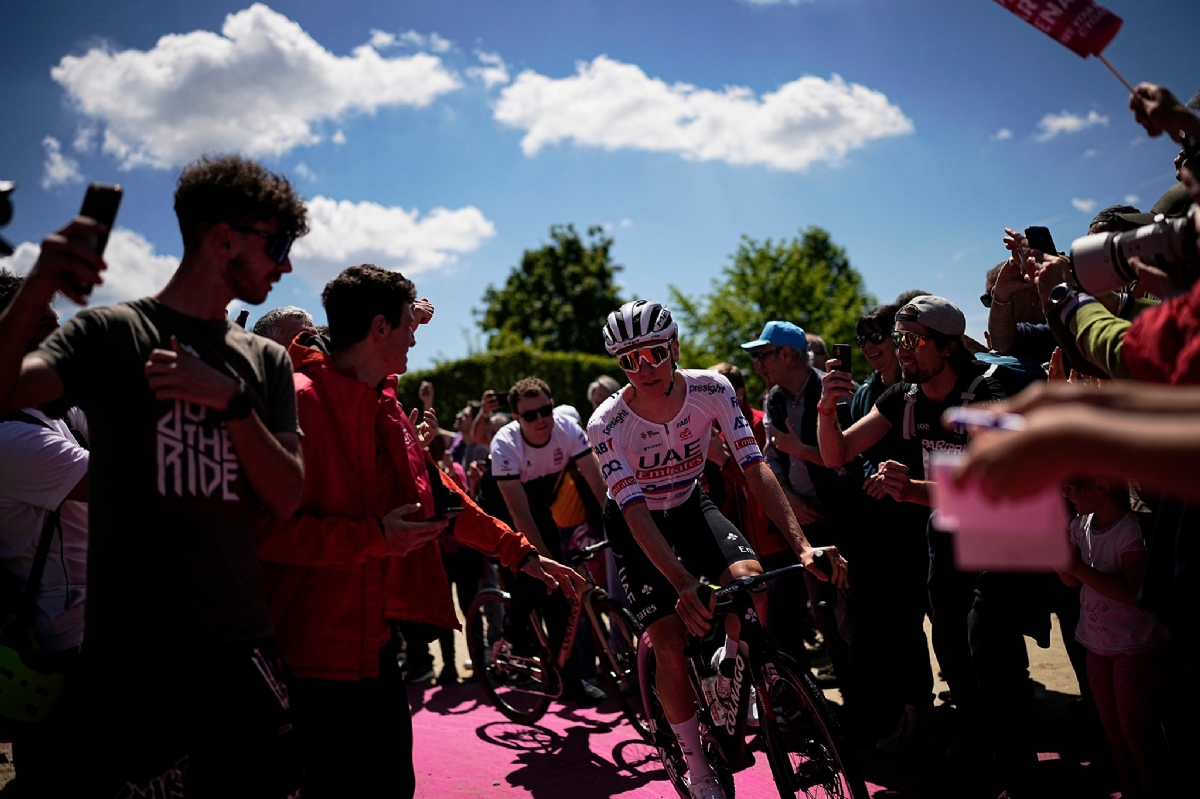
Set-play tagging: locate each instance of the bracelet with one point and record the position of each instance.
(824, 413)
(996, 301)
(533, 553)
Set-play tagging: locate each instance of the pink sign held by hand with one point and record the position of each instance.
(1084, 27)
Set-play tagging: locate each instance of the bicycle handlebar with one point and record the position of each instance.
(587, 553)
(725, 594)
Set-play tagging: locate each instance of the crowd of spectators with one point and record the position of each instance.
(254, 551)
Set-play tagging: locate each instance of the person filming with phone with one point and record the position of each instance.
(193, 435)
(363, 549)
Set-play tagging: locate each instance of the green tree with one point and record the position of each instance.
(807, 281)
(556, 300)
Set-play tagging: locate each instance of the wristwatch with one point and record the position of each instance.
(1066, 300)
(1061, 293)
(239, 407)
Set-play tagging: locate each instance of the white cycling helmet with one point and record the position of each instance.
(636, 324)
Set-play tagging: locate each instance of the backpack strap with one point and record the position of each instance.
(27, 418)
(968, 396)
(910, 411)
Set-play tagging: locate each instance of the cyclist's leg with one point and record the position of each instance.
(653, 598)
(723, 552)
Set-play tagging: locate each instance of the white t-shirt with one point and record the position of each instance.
(538, 468)
(38, 468)
(1106, 626)
(659, 463)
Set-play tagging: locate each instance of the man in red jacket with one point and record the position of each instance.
(363, 546)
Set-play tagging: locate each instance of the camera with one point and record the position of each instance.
(1101, 261)
(6, 212)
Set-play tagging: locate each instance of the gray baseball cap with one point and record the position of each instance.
(936, 313)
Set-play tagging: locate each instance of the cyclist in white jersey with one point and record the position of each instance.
(652, 440)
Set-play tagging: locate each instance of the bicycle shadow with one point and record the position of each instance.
(551, 765)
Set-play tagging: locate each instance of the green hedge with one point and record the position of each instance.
(457, 382)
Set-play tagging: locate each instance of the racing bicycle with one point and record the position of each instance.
(807, 752)
(523, 687)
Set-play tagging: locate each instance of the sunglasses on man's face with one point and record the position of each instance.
(278, 244)
(986, 299)
(655, 355)
(532, 416)
(762, 355)
(877, 337)
(908, 340)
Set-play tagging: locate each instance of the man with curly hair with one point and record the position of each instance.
(194, 434)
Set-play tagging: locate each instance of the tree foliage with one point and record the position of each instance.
(807, 281)
(556, 300)
(457, 382)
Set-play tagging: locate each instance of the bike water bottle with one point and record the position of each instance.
(715, 707)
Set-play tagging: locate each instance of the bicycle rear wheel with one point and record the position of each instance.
(808, 754)
(663, 737)
(517, 686)
(616, 638)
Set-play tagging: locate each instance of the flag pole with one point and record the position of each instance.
(1113, 70)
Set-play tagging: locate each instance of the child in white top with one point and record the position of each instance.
(1124, 659)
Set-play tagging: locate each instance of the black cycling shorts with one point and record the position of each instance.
(705, 542)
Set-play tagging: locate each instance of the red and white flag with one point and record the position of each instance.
(1083, 26)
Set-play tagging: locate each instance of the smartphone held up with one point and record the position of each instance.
(100, 205)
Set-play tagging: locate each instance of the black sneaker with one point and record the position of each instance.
(587, 695)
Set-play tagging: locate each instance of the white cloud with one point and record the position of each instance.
(1091, 152)
(134, 268)
(1004, 134)
(85, 138)
(420, 41)
(613, 105)
(302, 170)
(1084, 206)
(1066, 122)
(338, 138)
(1131, 199)
(345, 233)
(59, 169)
(494, 71)
(260, 87)
(626, 223)
(381, 39)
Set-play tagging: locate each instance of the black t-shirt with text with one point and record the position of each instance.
(927, 433)
(173, 518)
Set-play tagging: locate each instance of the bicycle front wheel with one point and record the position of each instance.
(808, 754)
(515, 685)
(616, 635)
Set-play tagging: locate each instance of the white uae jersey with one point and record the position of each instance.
(659, 463)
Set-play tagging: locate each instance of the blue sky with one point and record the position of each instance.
(444, 137)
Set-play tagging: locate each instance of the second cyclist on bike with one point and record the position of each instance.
(652, 440)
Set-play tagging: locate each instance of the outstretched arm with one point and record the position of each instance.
(766, 490)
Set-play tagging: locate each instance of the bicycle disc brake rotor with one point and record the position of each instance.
(814, 769)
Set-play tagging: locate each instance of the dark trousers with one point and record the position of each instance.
(200, 722)
(785, 607)
(356, 735)
(464, 569)
(995, 626)
(951, 595)
(889, 597)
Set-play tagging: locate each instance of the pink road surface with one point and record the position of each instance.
(463, 747)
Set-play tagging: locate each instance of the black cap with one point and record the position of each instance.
(1174, 202)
